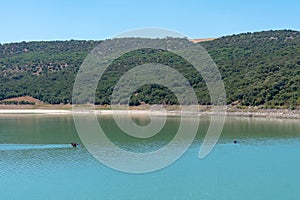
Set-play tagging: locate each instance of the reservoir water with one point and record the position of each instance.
(37, 161)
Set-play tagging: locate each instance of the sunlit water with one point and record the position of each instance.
(38, 162)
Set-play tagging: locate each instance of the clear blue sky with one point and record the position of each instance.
(27, 20)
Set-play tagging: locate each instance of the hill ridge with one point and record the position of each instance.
(258, 69)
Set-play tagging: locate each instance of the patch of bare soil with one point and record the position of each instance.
(26, 99)
(202, 40)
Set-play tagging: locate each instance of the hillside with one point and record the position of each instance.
(260, 68)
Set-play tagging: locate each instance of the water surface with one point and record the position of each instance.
(37, 162)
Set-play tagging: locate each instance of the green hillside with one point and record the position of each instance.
(260, 68)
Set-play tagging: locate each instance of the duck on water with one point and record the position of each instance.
(74, 144)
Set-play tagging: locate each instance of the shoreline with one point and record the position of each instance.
(262, 113)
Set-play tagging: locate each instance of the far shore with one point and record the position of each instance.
(142, 110)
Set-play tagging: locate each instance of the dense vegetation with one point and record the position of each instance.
(260, 68)
(43, 70)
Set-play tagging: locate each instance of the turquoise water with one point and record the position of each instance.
(37, 162)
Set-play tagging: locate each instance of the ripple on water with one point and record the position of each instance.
(22, 160)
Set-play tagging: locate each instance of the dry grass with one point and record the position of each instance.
(26, 99)
(202, 40)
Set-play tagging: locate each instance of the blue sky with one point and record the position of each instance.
(90, 19)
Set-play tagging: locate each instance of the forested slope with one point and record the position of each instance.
(260, 68)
